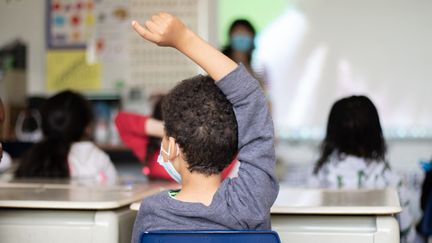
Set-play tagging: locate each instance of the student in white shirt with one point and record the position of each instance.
(5, 159)
(65, 151)
(5, 162)
(353, 156)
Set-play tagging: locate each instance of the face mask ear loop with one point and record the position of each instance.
(178, 150)
(163, 150)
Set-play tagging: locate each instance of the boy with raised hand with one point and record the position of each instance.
(206, 121)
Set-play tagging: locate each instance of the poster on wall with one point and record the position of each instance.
(99, 30)
(69, 69)
(110, 42)
(69, 23)
(70, 27)
(112, 30)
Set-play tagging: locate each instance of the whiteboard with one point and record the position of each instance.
(319, 51)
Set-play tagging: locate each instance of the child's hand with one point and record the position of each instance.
(166, 30)
(163, 29)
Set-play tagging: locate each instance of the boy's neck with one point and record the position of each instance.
(198, 188)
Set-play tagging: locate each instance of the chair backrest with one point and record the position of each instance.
(210, 237)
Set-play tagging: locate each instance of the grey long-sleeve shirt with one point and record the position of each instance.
(239, 203)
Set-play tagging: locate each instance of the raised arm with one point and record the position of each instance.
(166, 30)
(256, 185)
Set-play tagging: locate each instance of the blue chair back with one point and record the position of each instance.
(210, 237)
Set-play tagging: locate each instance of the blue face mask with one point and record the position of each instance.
(241, 43)
(168, 166)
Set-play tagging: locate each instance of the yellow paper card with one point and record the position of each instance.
(68, 69)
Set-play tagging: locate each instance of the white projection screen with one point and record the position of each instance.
(321, 50)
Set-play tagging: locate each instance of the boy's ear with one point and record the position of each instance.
(174, 149)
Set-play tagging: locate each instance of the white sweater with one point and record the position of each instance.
(86, 161)
(351, 172)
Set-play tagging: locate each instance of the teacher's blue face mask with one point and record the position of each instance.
(168, 166)
(241, 43)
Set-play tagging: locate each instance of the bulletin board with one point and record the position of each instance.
(101, 30)
(69, 28)
(69, 23)
(110, 44)
(70, 70)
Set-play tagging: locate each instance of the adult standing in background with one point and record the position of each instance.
(241, 46)
(241, 42)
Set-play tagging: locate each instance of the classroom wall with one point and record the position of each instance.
(403, 155)
(259, 13)
(25, 19)
(319, 51)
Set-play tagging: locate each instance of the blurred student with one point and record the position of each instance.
(65, 150)
(2, 118)
(206, 121)
(353, 155)
(143, 134)
(5, 159)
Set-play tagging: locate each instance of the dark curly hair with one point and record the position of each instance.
(201, 119)
(353, 128)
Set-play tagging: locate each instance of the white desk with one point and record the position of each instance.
(360, 216)
(69, 213)
(336, 202)
(329, 216)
